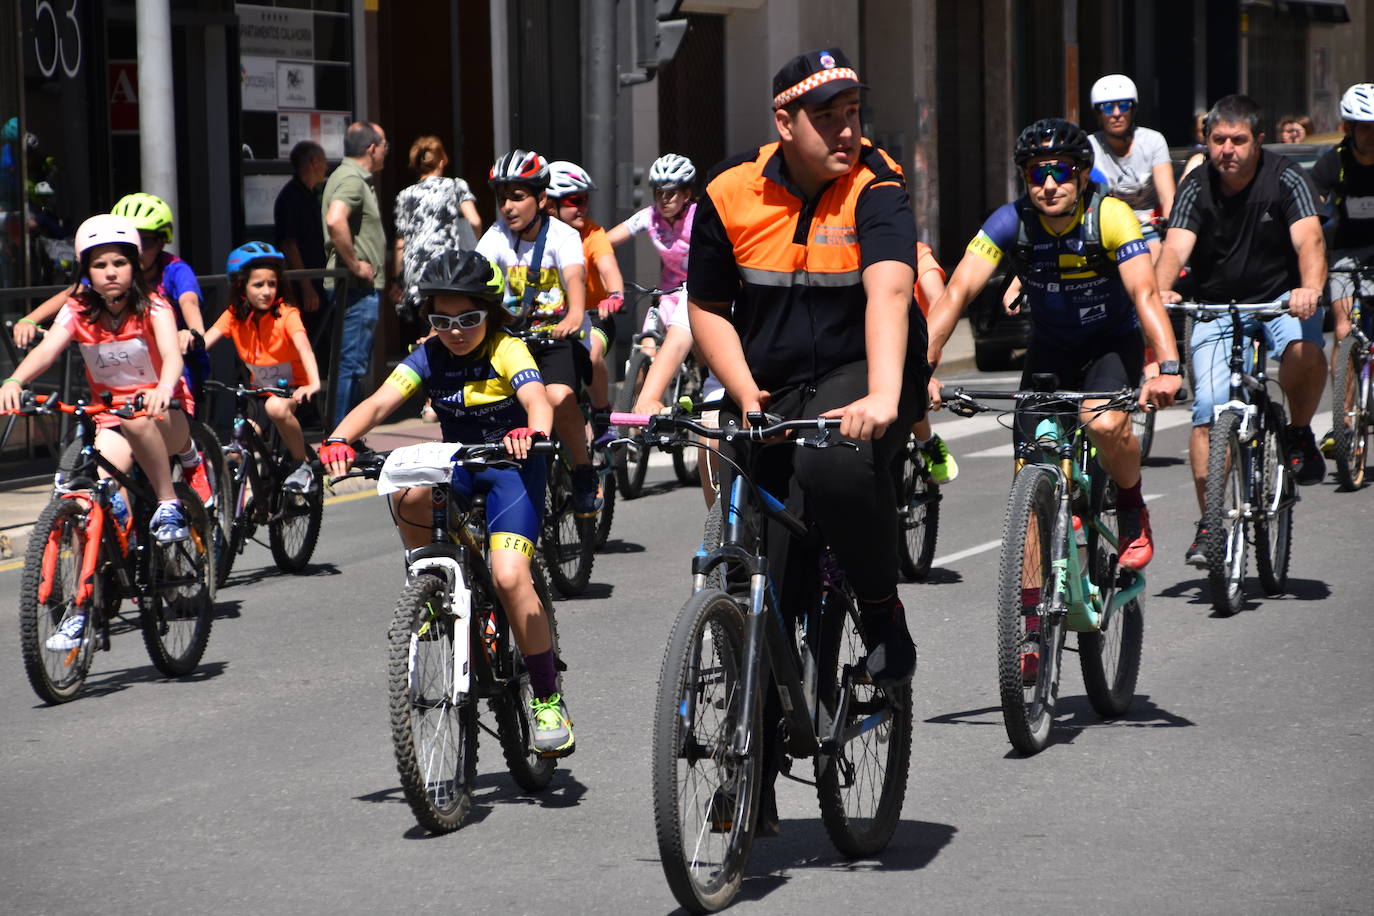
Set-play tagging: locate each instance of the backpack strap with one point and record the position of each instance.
(1094, 255)
(533, 272)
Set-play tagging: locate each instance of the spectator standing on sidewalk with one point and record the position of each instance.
(300, 234)
(356, 241)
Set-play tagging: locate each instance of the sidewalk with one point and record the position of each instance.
(20, 506)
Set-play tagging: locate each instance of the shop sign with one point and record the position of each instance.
(295, 84)
(265, 31)
(258, 83)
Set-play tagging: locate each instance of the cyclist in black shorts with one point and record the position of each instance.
(1079, 256)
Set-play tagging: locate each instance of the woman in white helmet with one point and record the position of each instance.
(1134, 161)
(1344, 176)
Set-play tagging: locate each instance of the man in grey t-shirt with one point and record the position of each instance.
(1133, 161)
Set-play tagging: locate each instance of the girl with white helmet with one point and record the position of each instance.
(1133, 161)
(669, 224)
(568, 198)
(128, 338)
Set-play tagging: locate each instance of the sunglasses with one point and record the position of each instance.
(466, 321)
(1111, 108)
(513, 193)
(1039, 173)
(573, 200)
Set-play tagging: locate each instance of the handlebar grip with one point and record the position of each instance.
(630, 419)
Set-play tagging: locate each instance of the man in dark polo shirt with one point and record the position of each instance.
(808, 312)
(1248, 221)
(299, 230)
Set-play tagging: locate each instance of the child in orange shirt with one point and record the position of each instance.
(270, 338)
(930, 286)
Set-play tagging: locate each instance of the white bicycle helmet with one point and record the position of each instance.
(567, 178)
(106, 229)
(672, 171)
(520, 167)
(1358, 102)
(1114, 87)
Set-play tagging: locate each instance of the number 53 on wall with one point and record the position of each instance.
(57, 37)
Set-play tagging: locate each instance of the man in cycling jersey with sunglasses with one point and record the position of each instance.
(1088, 279)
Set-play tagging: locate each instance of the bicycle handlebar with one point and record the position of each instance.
(1211, 311)
(488, 454)
(965, 401)
(756, 432)
(653, 290)
(126, 407)
(280, 391)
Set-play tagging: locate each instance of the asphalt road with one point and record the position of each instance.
(1239, 782)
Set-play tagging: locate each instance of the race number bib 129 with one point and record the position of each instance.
(120, 363)
(270, 376)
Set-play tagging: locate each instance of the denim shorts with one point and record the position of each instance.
(1211, 348)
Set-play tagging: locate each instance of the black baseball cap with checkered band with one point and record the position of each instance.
(815, 78)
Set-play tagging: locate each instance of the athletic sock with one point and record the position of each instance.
(1129, 497)
(189, 458)
(543, 670)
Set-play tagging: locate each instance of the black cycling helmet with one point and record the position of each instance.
(463, 273)
(1053, 137)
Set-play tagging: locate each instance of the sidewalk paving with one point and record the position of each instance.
(19, 506)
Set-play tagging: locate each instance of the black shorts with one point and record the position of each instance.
(605, 327)
(1100, 364)
(563, 362)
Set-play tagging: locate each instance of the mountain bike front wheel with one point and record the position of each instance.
(632, 461)
(433, 729)
(566, 540)
(1224, 515)
(177, 616)
(295, 527)
(918, 517)
(1029, 639)
(706, 797)
(1273, 493)
(862, 785)
(52, 570)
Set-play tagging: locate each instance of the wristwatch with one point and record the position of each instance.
(1170, 367)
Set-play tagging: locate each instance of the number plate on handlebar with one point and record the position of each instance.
(419, 465)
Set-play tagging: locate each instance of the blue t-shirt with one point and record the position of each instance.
(1069, 302)
(473, 395)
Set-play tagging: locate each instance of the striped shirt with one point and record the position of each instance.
(1244, 248)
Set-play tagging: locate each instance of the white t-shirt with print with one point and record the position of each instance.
(562, 249)
(1131, 177)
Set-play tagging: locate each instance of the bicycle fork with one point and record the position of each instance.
(446, 561)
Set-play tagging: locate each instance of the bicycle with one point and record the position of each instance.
(450, 644)
(1058, 570)
(1352, 388)
(254, 494)
(918, 512)
(82, 561)
(708, 733)
(631, 462)
(1250, 483)
(566, 542)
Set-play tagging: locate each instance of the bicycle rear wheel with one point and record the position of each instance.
(1224, 498)
(1350, 406)
(1029, 639)
(566, 541)
(918, 515)
(863, 784)
(56, 544)
(689, 385)
(177, 615)
(512, 704)
(705, 796)
(631, 461)
(1110, 656)
(1273, 506)
(237, 490)
(433, 732)
(295, 527)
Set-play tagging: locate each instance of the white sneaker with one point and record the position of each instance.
(68, 635)
(301, 479)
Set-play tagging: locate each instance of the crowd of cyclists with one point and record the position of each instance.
(793, 273)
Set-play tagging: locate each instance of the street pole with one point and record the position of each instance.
(157, 141)
(598, 123)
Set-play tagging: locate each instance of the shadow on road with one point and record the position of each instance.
(270, 571)
(490, 790)
(1075, 715)
(1163, 461)
(595, 591)
(1196, 591)
(618, 546)
(104, 683)
(939, 575)
(914, 846)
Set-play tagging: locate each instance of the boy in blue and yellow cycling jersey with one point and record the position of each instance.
(1088, 277)
(485, 387)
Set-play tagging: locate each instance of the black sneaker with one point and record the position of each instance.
(586, 498)
(891, 651)
(1196, 555)
(1304, 458)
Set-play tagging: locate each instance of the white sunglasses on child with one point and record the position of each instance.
(467, 321)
